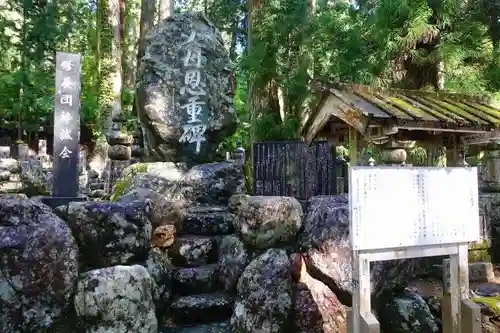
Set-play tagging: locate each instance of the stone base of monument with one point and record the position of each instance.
(54, 202)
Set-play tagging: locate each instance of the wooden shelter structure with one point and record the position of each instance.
(357, 114)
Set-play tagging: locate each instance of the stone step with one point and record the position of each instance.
(206, 220)
(195, 280)
(193, 250)
(222, 327)
(202, 308)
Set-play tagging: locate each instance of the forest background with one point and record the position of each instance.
(278, 48)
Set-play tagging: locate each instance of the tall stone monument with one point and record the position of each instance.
(185, 91)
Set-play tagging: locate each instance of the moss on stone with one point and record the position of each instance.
(126, 179)
(479, 251)
(479, 256)
(492, 302)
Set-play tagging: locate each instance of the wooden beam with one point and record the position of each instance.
(353, 146)
(335, 107)
(348, 114)
(423, 125)
(319, 121)
(481, 138)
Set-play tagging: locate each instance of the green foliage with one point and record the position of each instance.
(384, 42)
(491, 302)
(417, 156)
(126, 179)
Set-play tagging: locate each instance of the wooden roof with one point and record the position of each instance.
(363, 106)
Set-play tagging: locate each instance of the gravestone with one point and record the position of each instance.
(185, 90)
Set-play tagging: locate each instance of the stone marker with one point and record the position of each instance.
(185, 90)
(66, 129)
(66, 125)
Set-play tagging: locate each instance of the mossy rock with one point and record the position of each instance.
(126, 179)
(159, 176)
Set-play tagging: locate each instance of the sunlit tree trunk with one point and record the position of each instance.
(23, 73)
(165, 9)
(254, 104)
(115, 16)
(147, 20)
(131, 38)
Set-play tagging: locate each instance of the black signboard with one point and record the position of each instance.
(293, 169)
(66, 125)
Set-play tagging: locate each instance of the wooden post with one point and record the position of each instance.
(452, 151)
(471, 317)
(356, 273)
(369, 324)
(459, 314)
(446, 313)
(353, 146)
(363, 320)
(455, 293)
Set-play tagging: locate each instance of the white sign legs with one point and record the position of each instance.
(458, 312)
(460, 315)
(363, 320)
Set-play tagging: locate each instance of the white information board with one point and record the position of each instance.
(393, 207)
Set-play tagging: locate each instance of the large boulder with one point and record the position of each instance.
(160, 269)
(176, 185)
(38, 266)
(109, 233)
(161, 177)
(264, 222)
(163, 212)
(115, 300)
(35, 178)
(327, 251)
(233, 258)
(406, 312)
(211, 184)
(185, 90)
(316, 309)
(264, 297)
